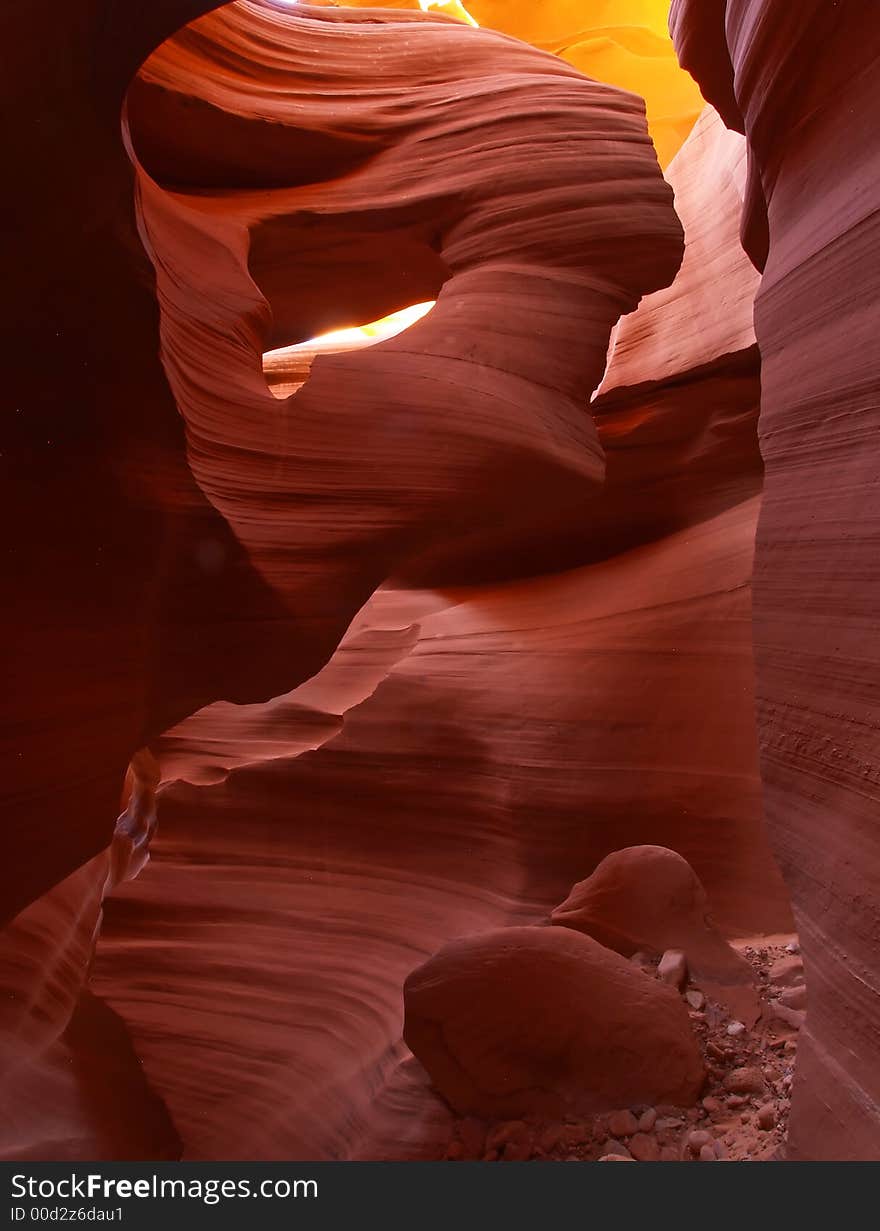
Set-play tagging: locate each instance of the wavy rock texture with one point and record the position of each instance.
(623, 42)
(802, 82)
(498, 761)
(163, 602)
(72, 1086)
(128, 586)
(413, 447)
(498, 741)
(112, 623)
(489, 729)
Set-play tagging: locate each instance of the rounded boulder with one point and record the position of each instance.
(523, 1021)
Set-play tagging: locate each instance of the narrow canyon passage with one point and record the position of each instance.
(446, 510)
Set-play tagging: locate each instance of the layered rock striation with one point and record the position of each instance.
(802, 83)
(422, 632)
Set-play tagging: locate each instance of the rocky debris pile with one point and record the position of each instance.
(743, 1112)
(545, 1022)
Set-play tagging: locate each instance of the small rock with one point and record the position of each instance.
(647, 1120)
(669, 1155)
(792, 947)
(744, 1081)
(746, 1117)
(615, 1147)
(781, 1013)
(612, 1158)
(711, 1105)
(693, 1114)
(794, 997)
(667, 1122)
(715, 1014)
(697, 1139)
(766, 1116)
(672, 968)
(640, 959)
(720, 1151)
(695, 998)
(644, 1148)
(735, 1029)
(787, 971)
(707, 1154)
(735, 1100)
(622, 1124)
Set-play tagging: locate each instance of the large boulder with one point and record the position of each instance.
(649, 899)
(545, 1021)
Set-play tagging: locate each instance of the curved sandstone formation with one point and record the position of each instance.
(420, 632)
(231, 568)
(509, 750)
(416, 444)
(623, 42)
(802, 83)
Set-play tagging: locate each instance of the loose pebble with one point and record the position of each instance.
(794, 997)
(644, 1148)
(647, 1120)
(746, 1080)
(672, 968)
(622, 1124)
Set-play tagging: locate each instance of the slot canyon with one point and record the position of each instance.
(442, 478)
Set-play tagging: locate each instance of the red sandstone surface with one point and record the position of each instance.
(362, 697)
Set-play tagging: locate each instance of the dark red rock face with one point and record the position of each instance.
(802, 83)
(395, 660)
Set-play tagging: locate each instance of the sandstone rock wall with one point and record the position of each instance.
(802, 82)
